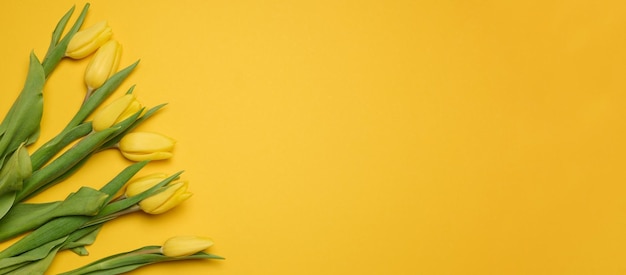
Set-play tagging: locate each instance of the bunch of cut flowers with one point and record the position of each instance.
(45, 229)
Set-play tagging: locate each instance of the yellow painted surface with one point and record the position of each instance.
(364, 137)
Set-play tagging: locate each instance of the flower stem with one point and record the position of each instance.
(87, 95)
(112, 216)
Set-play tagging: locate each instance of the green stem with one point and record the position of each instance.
(113, 216)
(47, 151)
(63, 163)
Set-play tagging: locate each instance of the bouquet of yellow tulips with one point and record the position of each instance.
(74, 223)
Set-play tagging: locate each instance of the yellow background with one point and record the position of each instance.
(364, 137)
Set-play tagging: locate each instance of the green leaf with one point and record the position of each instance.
(49, 183)
(50, 231)
(10, 269)
(55, 145)
(25, 114)
(34, 137)
(117, 270)
(19, 215)
(109, 262)
(120, 180)
(38, 253)
(120, 127)
(38, 267)
(80, 251)
(82, 237)
(27, 216)
(15, 170)
(63, 163)
(67, 225)
(6, 202)
(58, 31)
(54, 55)
(128, 261)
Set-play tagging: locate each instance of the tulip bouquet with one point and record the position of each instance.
(74, 223)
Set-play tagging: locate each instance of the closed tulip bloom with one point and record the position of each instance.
(103, 65)
(87, 41)
(173, 195)
(115, 112)
(185, 245)
(138, 185)
(139, 146)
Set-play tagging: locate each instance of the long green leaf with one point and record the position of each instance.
(54, 56)
(55, 145)
(63, 226)
(40, 266)
(35, 254)
(27, 216)
(82, 237)
(25, 115)
(128, 261)
(63, 163)
(6, 201)
(50, 231)
(58, 31)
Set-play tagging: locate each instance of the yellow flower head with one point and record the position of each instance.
(116, 112)
(139, 185)
(172, 195)
(185, 245)
(139, 146)
(103, 65)
(87, 41)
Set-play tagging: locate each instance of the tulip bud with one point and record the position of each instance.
(87, 41)
(172, 195)
(185, 245)
(140, 146)
(138, 185)
(103, 65)
(116, 112)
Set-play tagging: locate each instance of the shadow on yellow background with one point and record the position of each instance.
(365, 137)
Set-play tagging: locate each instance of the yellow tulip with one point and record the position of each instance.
(87, 41)
(185, 245)
(139, 146)
(115, 112)
(138, 185)
(103, 65)
(173, 194)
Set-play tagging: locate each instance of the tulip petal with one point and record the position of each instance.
(109, 115)
(144, 183)
(185, 245)
(133, 108)
(150, 156)
(146, 142)
(173, 192)
(87, 41)
(171, 203)
(139, 146)
(103, 65)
